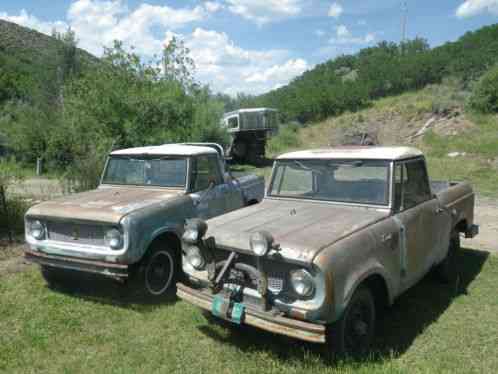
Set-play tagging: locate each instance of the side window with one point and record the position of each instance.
(205, 169)
(411, 185)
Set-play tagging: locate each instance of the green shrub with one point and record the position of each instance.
(286, 139)
(485, 94)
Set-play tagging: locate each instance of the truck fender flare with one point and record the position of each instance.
(352, 286)
(169, 229)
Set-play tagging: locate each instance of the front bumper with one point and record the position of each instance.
(307, 331)
(113, 270)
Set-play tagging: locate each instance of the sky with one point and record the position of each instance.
(251, 46)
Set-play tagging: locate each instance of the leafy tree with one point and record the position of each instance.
(485, 94)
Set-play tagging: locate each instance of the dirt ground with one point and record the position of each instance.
(486, 216)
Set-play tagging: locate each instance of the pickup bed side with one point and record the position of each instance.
(459, 198)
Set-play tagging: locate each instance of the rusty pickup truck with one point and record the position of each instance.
(340, 233)
(129, 228)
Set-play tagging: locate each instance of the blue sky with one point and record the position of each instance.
(251, 46)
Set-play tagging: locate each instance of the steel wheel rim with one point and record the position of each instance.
(159, 272)
(358, 327)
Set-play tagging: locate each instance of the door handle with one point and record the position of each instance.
(439, 210)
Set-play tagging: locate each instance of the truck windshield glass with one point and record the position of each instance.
(162, 172)
(358, 182)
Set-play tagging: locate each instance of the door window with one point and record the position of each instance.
(205, 170)
(411, 185)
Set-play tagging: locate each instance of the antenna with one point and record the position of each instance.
(404, 10)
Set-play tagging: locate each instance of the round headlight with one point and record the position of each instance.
(302, 283)
(261, 242)
(37, 230)
(194, 258)
(195, 229)
(114, 238)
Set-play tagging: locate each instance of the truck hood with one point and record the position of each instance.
(105, 204)
(301, 228)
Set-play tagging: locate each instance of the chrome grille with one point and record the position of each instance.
(76, 233)
(275, 284)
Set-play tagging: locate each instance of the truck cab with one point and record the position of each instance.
(129, 228)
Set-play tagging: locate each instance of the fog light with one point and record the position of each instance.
(261, 242)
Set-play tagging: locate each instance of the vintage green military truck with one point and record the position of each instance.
(129, 228)
(340, 233)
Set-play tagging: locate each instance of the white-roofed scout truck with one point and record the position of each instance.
(129, 228)
(340, 233)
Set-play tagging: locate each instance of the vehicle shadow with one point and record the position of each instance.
(106, 291)
(397, 328)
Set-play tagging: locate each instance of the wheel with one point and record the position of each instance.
(158, 272)
(447, 270)
(353, 333)
(239, 150)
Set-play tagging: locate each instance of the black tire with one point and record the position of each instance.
(158, 272)
(354, 332)
(447, 270)
(239, 150)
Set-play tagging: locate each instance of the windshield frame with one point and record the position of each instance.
(150, 157)
(390, 172)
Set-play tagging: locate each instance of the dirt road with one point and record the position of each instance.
(486, 216)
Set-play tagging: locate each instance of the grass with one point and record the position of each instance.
(430, 329)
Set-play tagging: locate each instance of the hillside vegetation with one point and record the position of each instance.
(352, 82)
(460, 143)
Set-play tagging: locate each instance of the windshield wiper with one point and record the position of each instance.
(304, 167)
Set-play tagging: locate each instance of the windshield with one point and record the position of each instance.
(163, 172)
(359, 182)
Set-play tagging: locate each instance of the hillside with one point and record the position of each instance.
(351, 82)
(29, 61)
(460, 145)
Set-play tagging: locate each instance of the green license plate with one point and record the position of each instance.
(220, 308)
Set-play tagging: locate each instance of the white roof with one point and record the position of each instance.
(355, 152)
(250, 110)
(167, 150)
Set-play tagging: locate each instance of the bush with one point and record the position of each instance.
(286, 139)
(11, 174)
(485, 94)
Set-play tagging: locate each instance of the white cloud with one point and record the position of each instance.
(98, 23)
(471, 8)
(343, 32)
(335, 10)
(319, 33)
(344, 36)
(212, 6)
(266, 11)
(229, 68)
(32, 22)
(219, 62)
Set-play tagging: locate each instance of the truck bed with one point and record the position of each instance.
(460, 198)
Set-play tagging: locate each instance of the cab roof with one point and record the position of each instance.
(355, 152)
(167, 150)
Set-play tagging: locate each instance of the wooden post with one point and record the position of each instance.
(3, 200)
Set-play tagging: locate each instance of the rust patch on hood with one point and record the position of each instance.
(302, 228)
(105, 204)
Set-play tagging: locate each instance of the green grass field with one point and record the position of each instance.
(432, 328)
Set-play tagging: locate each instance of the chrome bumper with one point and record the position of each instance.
(113, 270)
(307, 331)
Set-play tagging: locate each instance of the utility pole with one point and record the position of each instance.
(404, 10)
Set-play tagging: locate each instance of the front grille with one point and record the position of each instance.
(275, 284)
(77, 233)
(277, 271)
